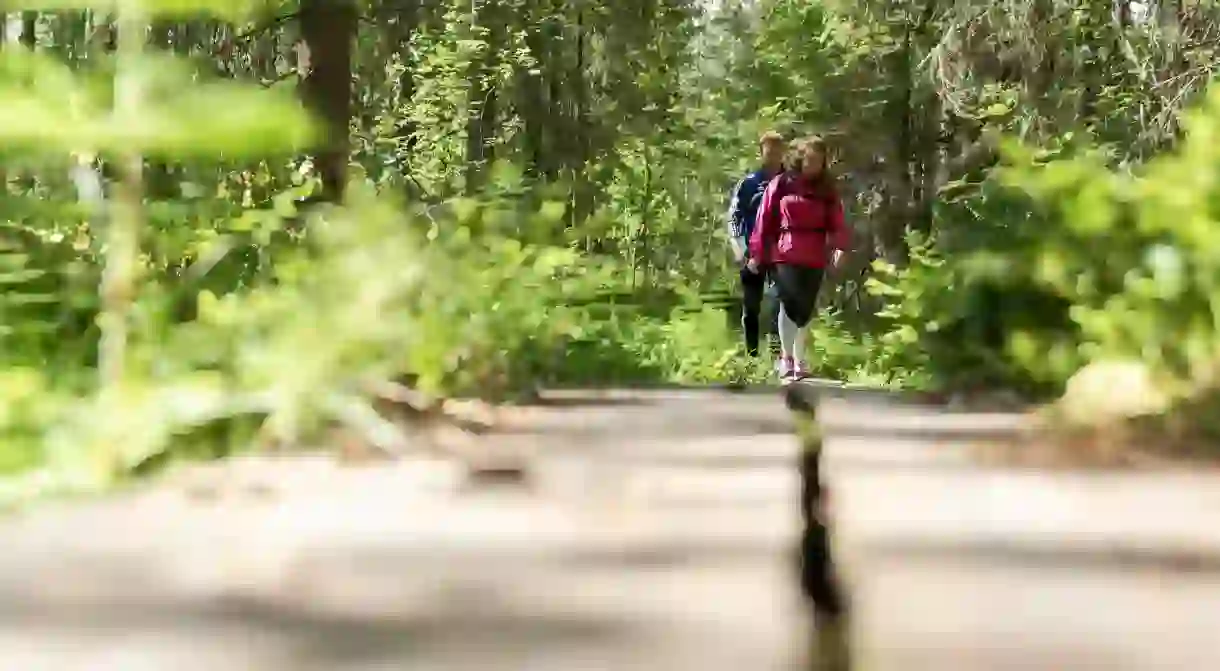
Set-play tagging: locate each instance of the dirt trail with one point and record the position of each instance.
(656, 533)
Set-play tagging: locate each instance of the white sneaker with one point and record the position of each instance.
(785, 369)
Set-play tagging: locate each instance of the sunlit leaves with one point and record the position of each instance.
(1137, 252)
(48, 109)
(219, 119)
(232, 10)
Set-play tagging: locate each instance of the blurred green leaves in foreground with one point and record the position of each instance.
(229, 318)
(1075, 274)
(216, 327)
(51, 109)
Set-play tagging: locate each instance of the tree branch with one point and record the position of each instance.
(265, 27)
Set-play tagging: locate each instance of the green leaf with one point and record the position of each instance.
(552, 211)
(217, 120)
(232, 10)
(995, 110)
(48, 110)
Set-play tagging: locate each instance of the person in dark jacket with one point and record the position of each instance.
(742, 214)
(798, 233)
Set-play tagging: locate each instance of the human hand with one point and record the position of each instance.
(752, 266)
(739, 250)
(838, 260)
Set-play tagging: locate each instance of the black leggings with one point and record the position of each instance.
(798, 287)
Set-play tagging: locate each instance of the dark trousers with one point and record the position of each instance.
(798, 288)
(752, 286)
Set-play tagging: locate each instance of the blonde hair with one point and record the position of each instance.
(770, 137)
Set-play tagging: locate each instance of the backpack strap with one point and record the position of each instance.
(782, 189)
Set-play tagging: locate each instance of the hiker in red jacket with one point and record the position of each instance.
(799, 231)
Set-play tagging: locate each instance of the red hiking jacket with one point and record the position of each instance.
(798, 224)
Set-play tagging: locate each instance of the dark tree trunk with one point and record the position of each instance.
(328, 28)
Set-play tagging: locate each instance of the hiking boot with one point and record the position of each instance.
(785, 369)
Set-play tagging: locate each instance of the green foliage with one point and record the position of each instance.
(1075, 262)
(1152, 294)
(218, 296)
(141, 105)
(50, 109)
(693, 346)
(566, 168)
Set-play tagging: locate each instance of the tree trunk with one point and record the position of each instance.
(928, 138)
(482, 102)
(328, 28)
(900, 183)
(29, 27)
(404, 25)
(532, 103)
(582, 198)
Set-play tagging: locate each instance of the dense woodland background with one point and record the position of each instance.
(239, 223)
